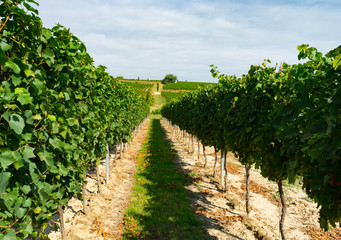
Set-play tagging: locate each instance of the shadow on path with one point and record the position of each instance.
(160, 191)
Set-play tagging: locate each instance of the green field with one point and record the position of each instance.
(172, 95)
(120, 78)
(186, 85)
(140, 87)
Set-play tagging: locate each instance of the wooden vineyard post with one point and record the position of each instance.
(107, 165)
(192, 144)
(284, 209)
(203, 149)
(198, 149)
(61, 222)
(115, 155)
(98, 179)
(215, 161)
(222, 168)
(85, 206)
(226, 171)
(189, 141)
(247, 187)
(121, 149)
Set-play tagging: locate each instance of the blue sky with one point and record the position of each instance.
(151, 38)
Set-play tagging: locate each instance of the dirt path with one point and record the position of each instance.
(226, 212)
(106, 209)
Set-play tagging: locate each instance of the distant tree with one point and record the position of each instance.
(169, 78)
(157, 87)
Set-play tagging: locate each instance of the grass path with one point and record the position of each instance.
(160, 207)
(159, 102)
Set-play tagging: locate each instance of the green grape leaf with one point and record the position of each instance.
(64, 77)
(29, 117)
(18, 163)
(7, 158)
(27, 71)
(4, 179)
(16, 80)
(66, 96)
(49, 54)
(5, 46)
(38, 85)
(20, 91)
(63, 133)
(59, 67)
(20, 212)
(16, 122)
(27, 136)
(72, 121)
(55, 128)
(29, 229)
(10, 235)
(46, 157)
(337, 62)
(28, 152)
(13, 66)
(25, 98)
(57, 143)
(32, 1)
(26, 189)
(28, 201)
(43, 195)
(52, 118)
(47, 33)
(30, 8)
(37, 117)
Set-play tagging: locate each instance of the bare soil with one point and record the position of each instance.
(106, 208)
(225, 213)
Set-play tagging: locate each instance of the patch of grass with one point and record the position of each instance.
(158, 103)
(159, 100)
(160, 207)
(199, 186)
(180, 85)
(171, 95)
(156, 111)
(193, 174)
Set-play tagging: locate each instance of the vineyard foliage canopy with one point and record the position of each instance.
(285, 120)
(57, 113)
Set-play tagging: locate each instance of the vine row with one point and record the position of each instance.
(285, 120)
(57, 113)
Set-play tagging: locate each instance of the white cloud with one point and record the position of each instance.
(150, 38)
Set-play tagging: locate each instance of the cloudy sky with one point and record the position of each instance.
(151, 38)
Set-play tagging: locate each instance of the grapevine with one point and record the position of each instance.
(57, 113)
(285, 120)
